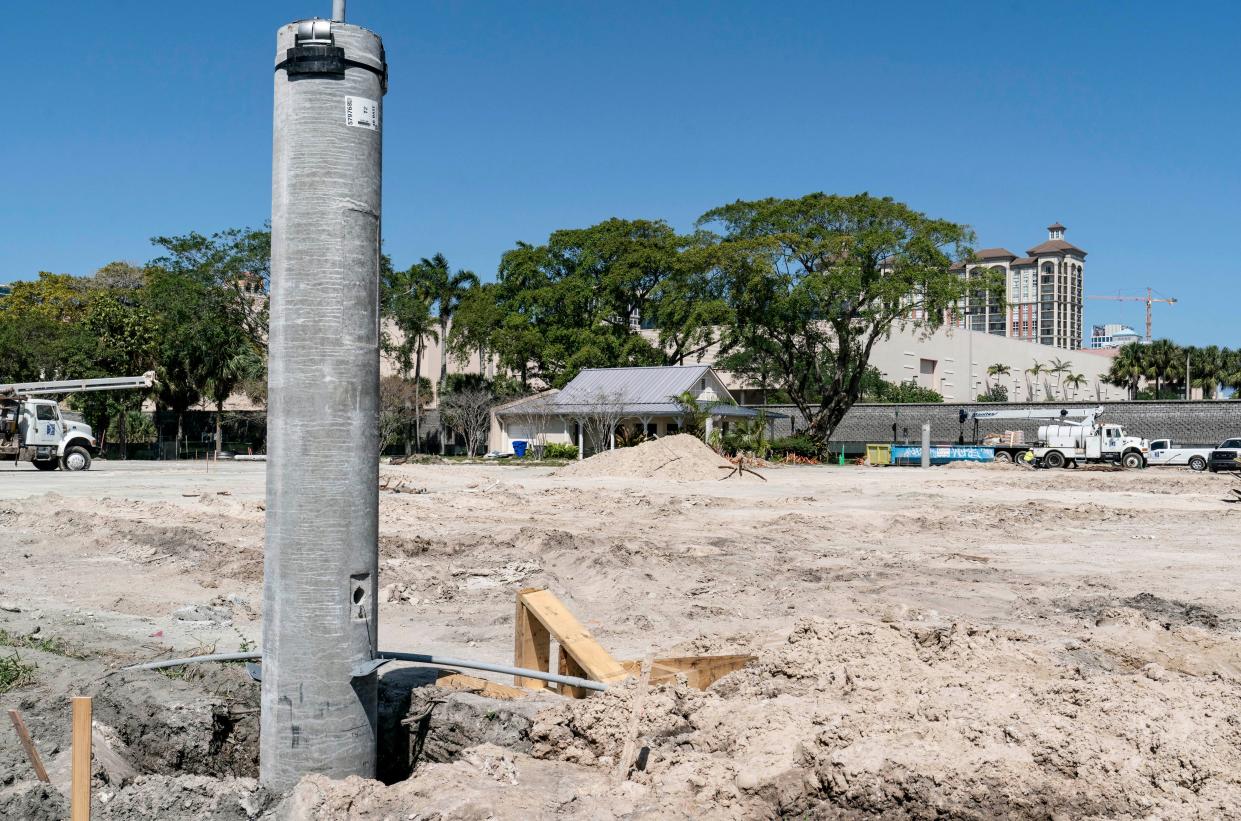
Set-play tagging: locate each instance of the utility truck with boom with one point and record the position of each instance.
(33, 429)
(1077, 436)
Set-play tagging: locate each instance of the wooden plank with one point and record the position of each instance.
(631, 735)
(79, 793)
(481, 686)
(572, 636)
(28, 745)
(568, 666)
(700, 671)
(532, 645)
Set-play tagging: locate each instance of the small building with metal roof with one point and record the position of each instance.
(601, 402)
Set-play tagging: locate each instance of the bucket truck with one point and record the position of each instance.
(34, 430)
(1072, 436)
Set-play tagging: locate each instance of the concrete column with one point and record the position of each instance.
(321, 561)
(926, 444)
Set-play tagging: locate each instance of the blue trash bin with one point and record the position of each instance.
(519, 448)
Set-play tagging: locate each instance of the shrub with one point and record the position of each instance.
(14, 673)
(995, 393)
(557, 450)
(799, 443)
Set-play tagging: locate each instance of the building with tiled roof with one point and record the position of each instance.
(1044, 298)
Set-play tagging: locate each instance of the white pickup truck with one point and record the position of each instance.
(1167, 452)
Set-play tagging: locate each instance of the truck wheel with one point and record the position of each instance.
(1054, 459)
(1131, 460)
(76, 458)
(45, 464)
(1197, 463)
(1003, 456)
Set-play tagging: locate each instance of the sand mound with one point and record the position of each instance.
(818, 728)
(680, 458)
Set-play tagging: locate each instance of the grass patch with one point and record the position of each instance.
(14, 672)
(44, 644)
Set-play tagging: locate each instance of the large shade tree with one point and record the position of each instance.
(815, 282)
(622, 292)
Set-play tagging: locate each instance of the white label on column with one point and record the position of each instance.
(362, 113)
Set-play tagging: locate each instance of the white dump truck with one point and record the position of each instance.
(33, 428)
(1076, 437)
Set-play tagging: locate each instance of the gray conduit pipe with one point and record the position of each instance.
(419, 658)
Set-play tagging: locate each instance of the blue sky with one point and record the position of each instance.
(505, 121)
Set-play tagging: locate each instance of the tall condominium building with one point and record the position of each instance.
(1044, 301)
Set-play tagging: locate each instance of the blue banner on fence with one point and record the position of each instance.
(942, 454)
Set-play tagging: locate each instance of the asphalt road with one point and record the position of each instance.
(142, 480)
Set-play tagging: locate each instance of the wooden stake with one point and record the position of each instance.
(80, 785)
(631, 737)
(28, 745)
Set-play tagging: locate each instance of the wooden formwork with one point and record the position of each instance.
(541, 617)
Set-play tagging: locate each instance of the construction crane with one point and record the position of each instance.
(1149, 299)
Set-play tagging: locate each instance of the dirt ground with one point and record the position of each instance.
(953, 642)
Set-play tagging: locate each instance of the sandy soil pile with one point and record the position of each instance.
(964, 643)
(680, 458)
(957, 721)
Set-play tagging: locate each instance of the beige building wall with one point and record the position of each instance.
(942, 362)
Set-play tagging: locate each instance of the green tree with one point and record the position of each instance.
(237, 261)
(622, 292)
(209, 296)
(877, 389)
(1076, 381)
(1059, 367)
(125, 340)
(1208, 366)
(446, 289)
(1164, 360)
(994, 393)
(817, 281)
(406, 301)
(1230, 370)
(1127, 368)
(998, 369)
(1032, 374)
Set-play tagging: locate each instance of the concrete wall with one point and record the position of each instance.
(1202, 422)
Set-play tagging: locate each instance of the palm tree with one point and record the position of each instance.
(1032, 374)
(1207, 368)
(244, 364)
(446, 289)
(1060, 367)
(407, 302)
(1163, 361)
(1128, 368)
(998, 369)
(1230, 371)
(1075, 381)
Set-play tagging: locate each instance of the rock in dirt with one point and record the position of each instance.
(487, 782)
(189, 796)
(202, 612)
(680, 458)
(33, 801)
(444, 722)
